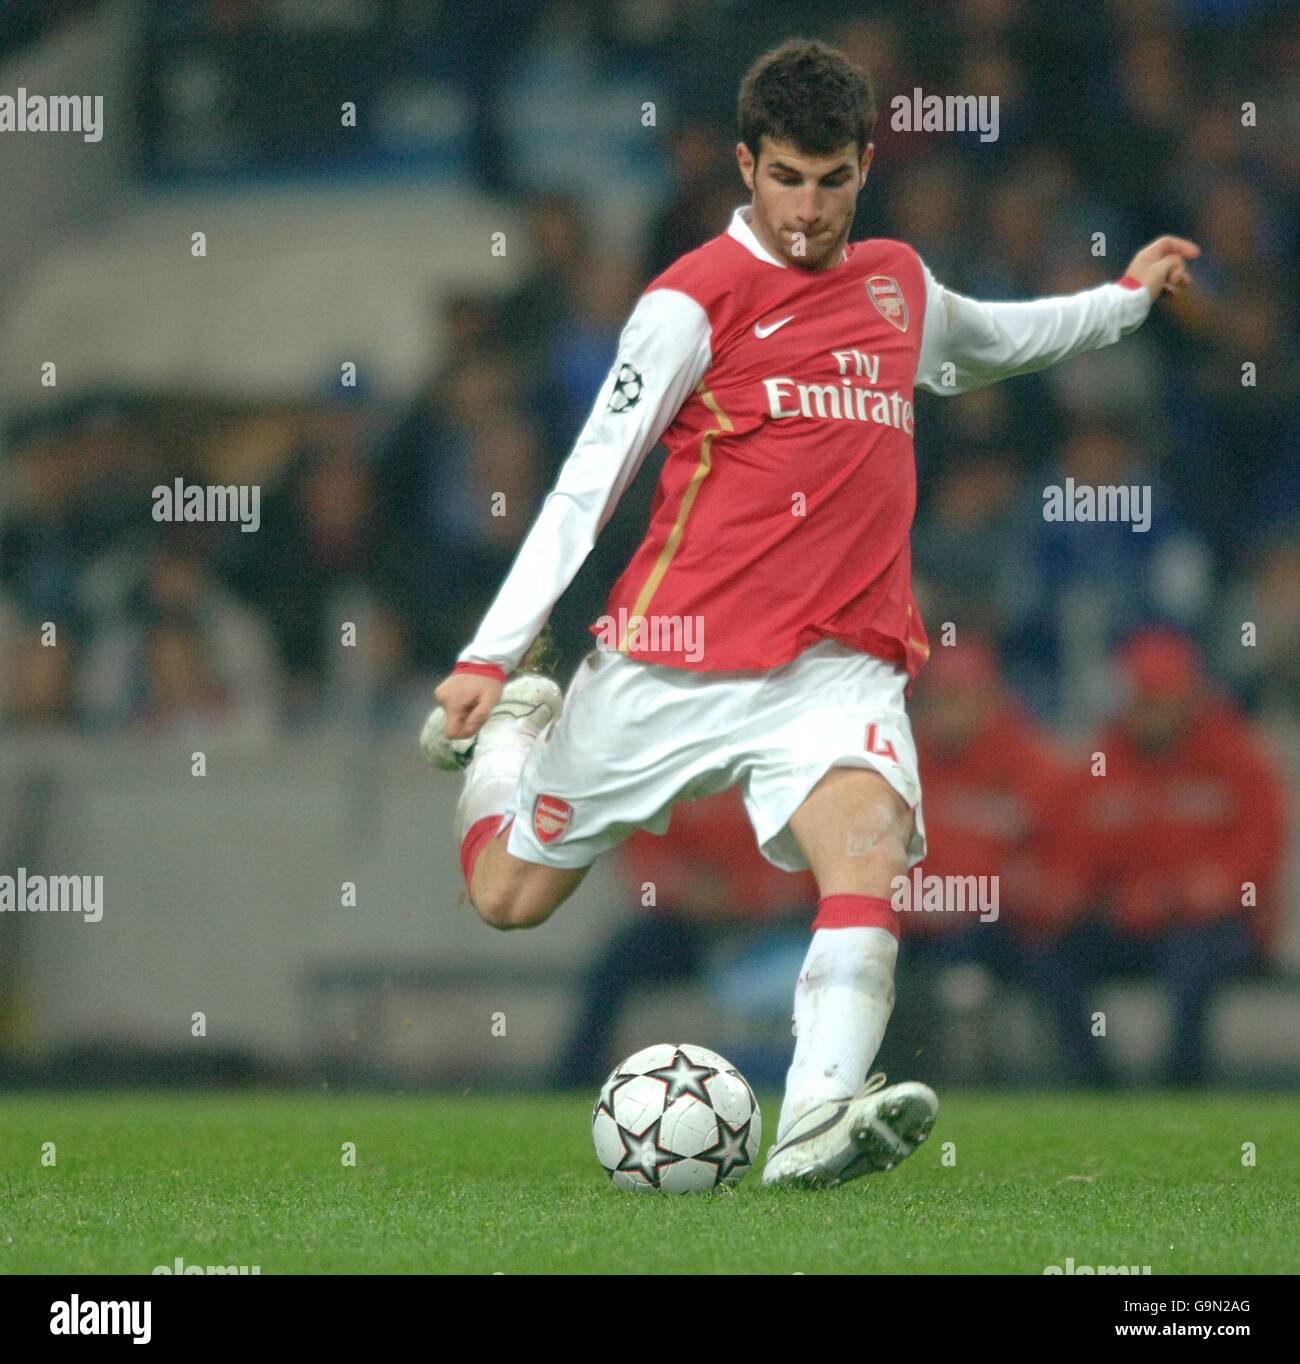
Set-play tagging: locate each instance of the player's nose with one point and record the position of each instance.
(808, 214)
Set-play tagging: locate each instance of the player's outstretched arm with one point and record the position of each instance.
(968, 343)
(663, 353)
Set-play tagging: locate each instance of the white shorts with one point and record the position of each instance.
(635, 737)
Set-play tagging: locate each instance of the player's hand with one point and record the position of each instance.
(468, 700)
(1162, 264)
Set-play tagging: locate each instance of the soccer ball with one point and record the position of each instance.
(677, 1119)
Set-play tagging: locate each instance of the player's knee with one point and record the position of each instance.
(496, 906)
(510, 906)
(878, 837)
(890, 853)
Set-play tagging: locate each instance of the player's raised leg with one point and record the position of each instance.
(836, 1124)
(507, 891)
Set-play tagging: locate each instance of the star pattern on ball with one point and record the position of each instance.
(644, 1155)
(728, 1152)
(605, 1103)
(683, 1076)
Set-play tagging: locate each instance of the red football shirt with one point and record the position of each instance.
(784, 506)
(784, 397)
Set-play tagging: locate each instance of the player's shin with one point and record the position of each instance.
(487, 803)
(528, 704)
(843, 1000)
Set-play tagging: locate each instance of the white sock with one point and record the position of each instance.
(842, 1003)
(491, 787)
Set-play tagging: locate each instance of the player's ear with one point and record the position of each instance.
(865, 165)
(745, 160)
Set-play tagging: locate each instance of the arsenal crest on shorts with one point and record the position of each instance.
(884, 292)
(551, 817)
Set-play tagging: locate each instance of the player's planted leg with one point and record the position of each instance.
(507, 891)
(854, 830)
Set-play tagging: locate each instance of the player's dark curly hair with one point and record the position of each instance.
(809, 94)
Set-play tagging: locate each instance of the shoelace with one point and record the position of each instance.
(873, 1083)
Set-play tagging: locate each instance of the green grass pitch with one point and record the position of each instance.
(478, 1184)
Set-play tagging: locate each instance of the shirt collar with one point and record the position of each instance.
(740, 228)
(742, 231)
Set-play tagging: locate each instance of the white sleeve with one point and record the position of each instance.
(663, 354)
(980, 343)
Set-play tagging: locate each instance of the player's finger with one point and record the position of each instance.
(461, 720)
(458, 720)
(1164, 246)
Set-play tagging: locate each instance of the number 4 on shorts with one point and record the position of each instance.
(882, 749)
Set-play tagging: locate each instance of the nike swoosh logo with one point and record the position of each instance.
(761, 331)
(813, 1132)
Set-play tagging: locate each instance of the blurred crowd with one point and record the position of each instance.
(1126, 121)
(1118, 122)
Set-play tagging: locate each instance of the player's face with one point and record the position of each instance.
(804, 205)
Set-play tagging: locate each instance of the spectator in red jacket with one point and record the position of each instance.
(1173, 852)
(989, 777)
(701, 878)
